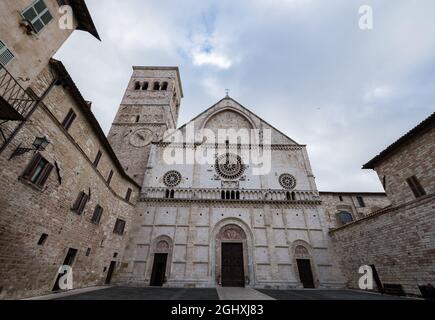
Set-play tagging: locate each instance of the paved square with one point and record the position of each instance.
(149, 293)
(326, 295)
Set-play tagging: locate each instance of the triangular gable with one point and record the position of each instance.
(228, 104)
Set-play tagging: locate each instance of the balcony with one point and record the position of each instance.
(15, 102)
(15, 105)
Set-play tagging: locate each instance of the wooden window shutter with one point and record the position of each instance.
(82, 206)
(70, 117)
(32, 166)
(110, 177)
(128, 195)
(45, 174)
(97, 158)
(77, 202)
(416, 187)
(80, 203)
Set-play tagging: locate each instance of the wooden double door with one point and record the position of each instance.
(233, 271)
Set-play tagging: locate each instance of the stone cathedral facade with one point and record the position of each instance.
(218, 222)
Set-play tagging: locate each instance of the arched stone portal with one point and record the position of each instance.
(233, 256)
(159, 270)
(305, 267)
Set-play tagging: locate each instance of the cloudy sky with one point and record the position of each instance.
(304, 66)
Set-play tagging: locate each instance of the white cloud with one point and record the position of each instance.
(304, 66)
(380, 92)
(211, 58)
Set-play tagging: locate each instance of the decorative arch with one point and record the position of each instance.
(161, 244)
(301, 249)
(232, 230)
(232, 109)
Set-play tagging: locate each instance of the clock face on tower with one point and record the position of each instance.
(141, 138)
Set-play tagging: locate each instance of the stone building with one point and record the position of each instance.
(218, 223)
(30, 34)
(398, 241)
(345, 207)
(64, 197)
(139, 208)
(148, 109)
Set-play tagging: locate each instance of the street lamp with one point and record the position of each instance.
(40, 144)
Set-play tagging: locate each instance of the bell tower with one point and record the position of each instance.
(150, 106)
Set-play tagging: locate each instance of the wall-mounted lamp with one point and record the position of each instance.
(40, 144)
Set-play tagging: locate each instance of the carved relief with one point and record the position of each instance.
(162, 246)
(231, 232)
(301, 251)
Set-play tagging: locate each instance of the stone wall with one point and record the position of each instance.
(32, 52)
(272, 231)
(398, 241)
(414, 158)
(333, 204)
(27, 212)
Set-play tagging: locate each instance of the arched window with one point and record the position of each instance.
(156, 86)
(137, 118)
(145, 86)
(223, 195)
(137, 85)
(233, 195)
(345, 217)
(289, 196)
(164, 86)
(238, 195)
(172, 194)
(167, 194)
(293, 196)
(228, 195)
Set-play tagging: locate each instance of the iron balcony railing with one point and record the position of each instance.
(15, 102)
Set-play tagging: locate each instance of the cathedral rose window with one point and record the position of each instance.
(172, 178)
(230, 166)
(287, 181)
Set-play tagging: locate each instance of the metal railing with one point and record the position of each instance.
(15, 105)
(14, 94)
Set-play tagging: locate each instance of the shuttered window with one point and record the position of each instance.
(5, 55)
(69, 119)
(416, 187)
(98, 212)
(97, 159)
(361, 201)
(37, 15)
(38, 170)
(109, 179)
(119, 227)
(80, 204)
(128, 195)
